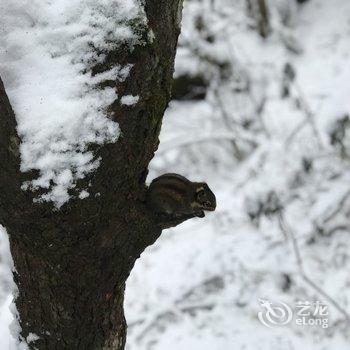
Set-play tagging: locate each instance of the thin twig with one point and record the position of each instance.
(339, 207)
(309, 119)
(171, 145)
(178, 308)
(229, 123)
(288, 231)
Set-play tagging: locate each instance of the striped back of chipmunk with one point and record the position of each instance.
(169, 193)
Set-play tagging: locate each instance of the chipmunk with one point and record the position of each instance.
(174, 195)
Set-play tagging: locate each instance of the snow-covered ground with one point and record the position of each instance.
(200, 285)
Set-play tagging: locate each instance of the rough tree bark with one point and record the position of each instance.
(72, 264)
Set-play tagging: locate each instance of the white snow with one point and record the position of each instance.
(170, 302)
(32, 338)
(129, 100)
(9, 326)
(84, 194)
(47, 49)
(198, 286)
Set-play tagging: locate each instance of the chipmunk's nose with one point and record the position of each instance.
(210, 206)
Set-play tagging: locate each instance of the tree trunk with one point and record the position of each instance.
(72, 263)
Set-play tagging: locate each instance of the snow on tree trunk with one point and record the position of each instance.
(71, 262)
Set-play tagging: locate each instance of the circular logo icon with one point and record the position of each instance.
(274, 314)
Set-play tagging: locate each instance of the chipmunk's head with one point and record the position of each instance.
(204, 197)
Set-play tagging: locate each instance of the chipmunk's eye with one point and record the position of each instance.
(207, 204)
(201, 195)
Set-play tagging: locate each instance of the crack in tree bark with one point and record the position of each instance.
(72, 264)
